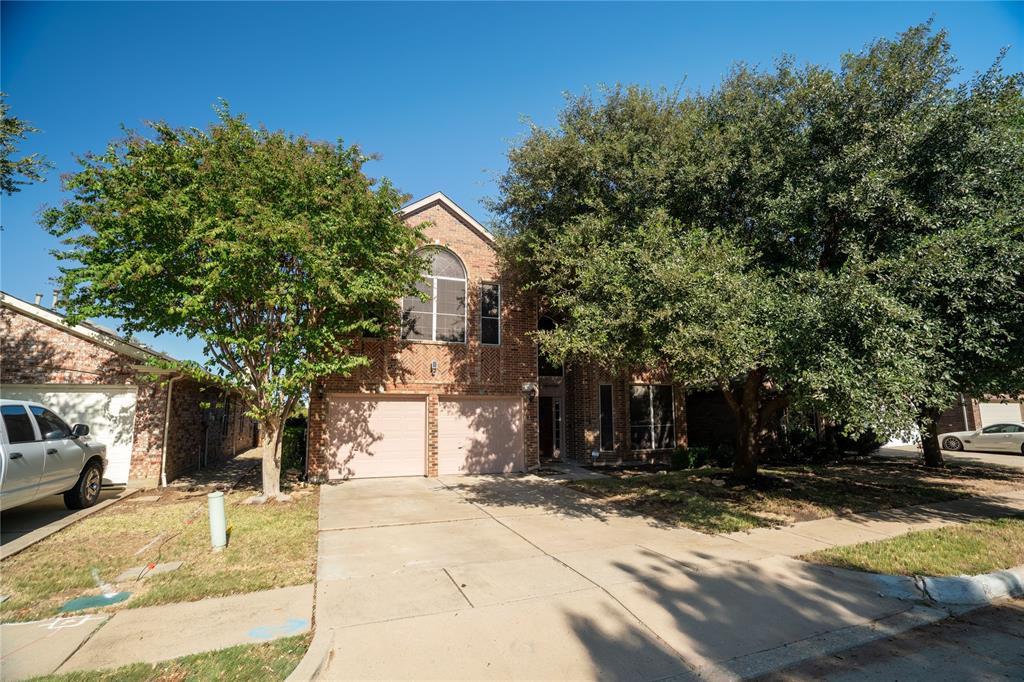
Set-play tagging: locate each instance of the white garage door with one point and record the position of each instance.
(479, 436)
(109, 411)
(376, 437)
(1000, 413)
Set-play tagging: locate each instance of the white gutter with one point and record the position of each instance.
(167, 423)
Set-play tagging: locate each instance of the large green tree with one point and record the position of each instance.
(14, 171)
(968, 284)
(802, 185)
(276, 251)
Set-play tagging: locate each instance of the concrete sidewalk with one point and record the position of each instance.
(152, 634)
(808, 536)
(515, 577)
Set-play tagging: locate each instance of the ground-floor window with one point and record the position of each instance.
(607, 433)
(558, 425)
(651, 424)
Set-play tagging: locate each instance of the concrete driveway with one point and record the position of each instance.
(25, 525)
(520, 578)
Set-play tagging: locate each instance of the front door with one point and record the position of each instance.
(546, 424)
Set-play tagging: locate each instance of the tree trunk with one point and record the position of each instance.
(744, 463)
(928, 425)
(272, 432)
(753, 414)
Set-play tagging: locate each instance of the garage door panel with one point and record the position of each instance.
(109, 411)
(1000, 413)
(376, 437)
(479, 436)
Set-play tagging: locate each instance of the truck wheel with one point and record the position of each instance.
(87, 490)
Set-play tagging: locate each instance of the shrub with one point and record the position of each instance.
(690, 458)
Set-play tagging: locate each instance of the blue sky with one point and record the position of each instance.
(438, 90)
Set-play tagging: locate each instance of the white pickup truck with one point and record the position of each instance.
(43, 456)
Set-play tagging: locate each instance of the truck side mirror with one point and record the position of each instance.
(79, 430)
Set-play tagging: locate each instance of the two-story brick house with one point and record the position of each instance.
(464, 390)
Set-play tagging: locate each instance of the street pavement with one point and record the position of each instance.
(987, 644)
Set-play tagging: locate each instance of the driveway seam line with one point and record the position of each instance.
(611, 596)
(471, 605)
(408, 523)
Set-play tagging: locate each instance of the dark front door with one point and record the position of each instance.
(547, 431)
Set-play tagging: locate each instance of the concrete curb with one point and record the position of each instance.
(319, 654)
(964, 590)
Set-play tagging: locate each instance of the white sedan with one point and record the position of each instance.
(1005, 437)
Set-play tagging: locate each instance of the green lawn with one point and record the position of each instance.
(271, 661)
(787, 494)
(968, 549)
(271, 545)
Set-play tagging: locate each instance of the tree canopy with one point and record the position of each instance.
(762, 237)
(15, 172)
(276, 251)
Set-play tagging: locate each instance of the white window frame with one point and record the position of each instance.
(490, 284)
(556, 407)
(433, 304)
(650, 407)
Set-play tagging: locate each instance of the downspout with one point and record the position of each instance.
(167, 423)
(963, 406)
(316, 390)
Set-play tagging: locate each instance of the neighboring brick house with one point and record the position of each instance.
(970, 414)
(464, 390)
(91, 375)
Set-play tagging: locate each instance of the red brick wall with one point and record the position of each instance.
(399, 367)
(583, 413)
(33, 352)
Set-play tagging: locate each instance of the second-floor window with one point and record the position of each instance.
(490, 314)
(442, 316)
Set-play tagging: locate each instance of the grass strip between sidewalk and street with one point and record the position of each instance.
(266, 661)
(967, 549)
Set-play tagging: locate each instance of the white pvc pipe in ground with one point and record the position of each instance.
(218, 522)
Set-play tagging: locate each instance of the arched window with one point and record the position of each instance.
(442, 317)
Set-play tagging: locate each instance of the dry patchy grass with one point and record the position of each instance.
(271, 545)
(785, 495)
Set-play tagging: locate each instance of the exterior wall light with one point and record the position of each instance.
(433, 367)
(530, 391)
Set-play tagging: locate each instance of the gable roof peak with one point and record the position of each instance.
(444, 199)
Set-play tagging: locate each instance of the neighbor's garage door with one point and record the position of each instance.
(109, 411)
(1000, 413)
(479, 435)
(374, 437)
